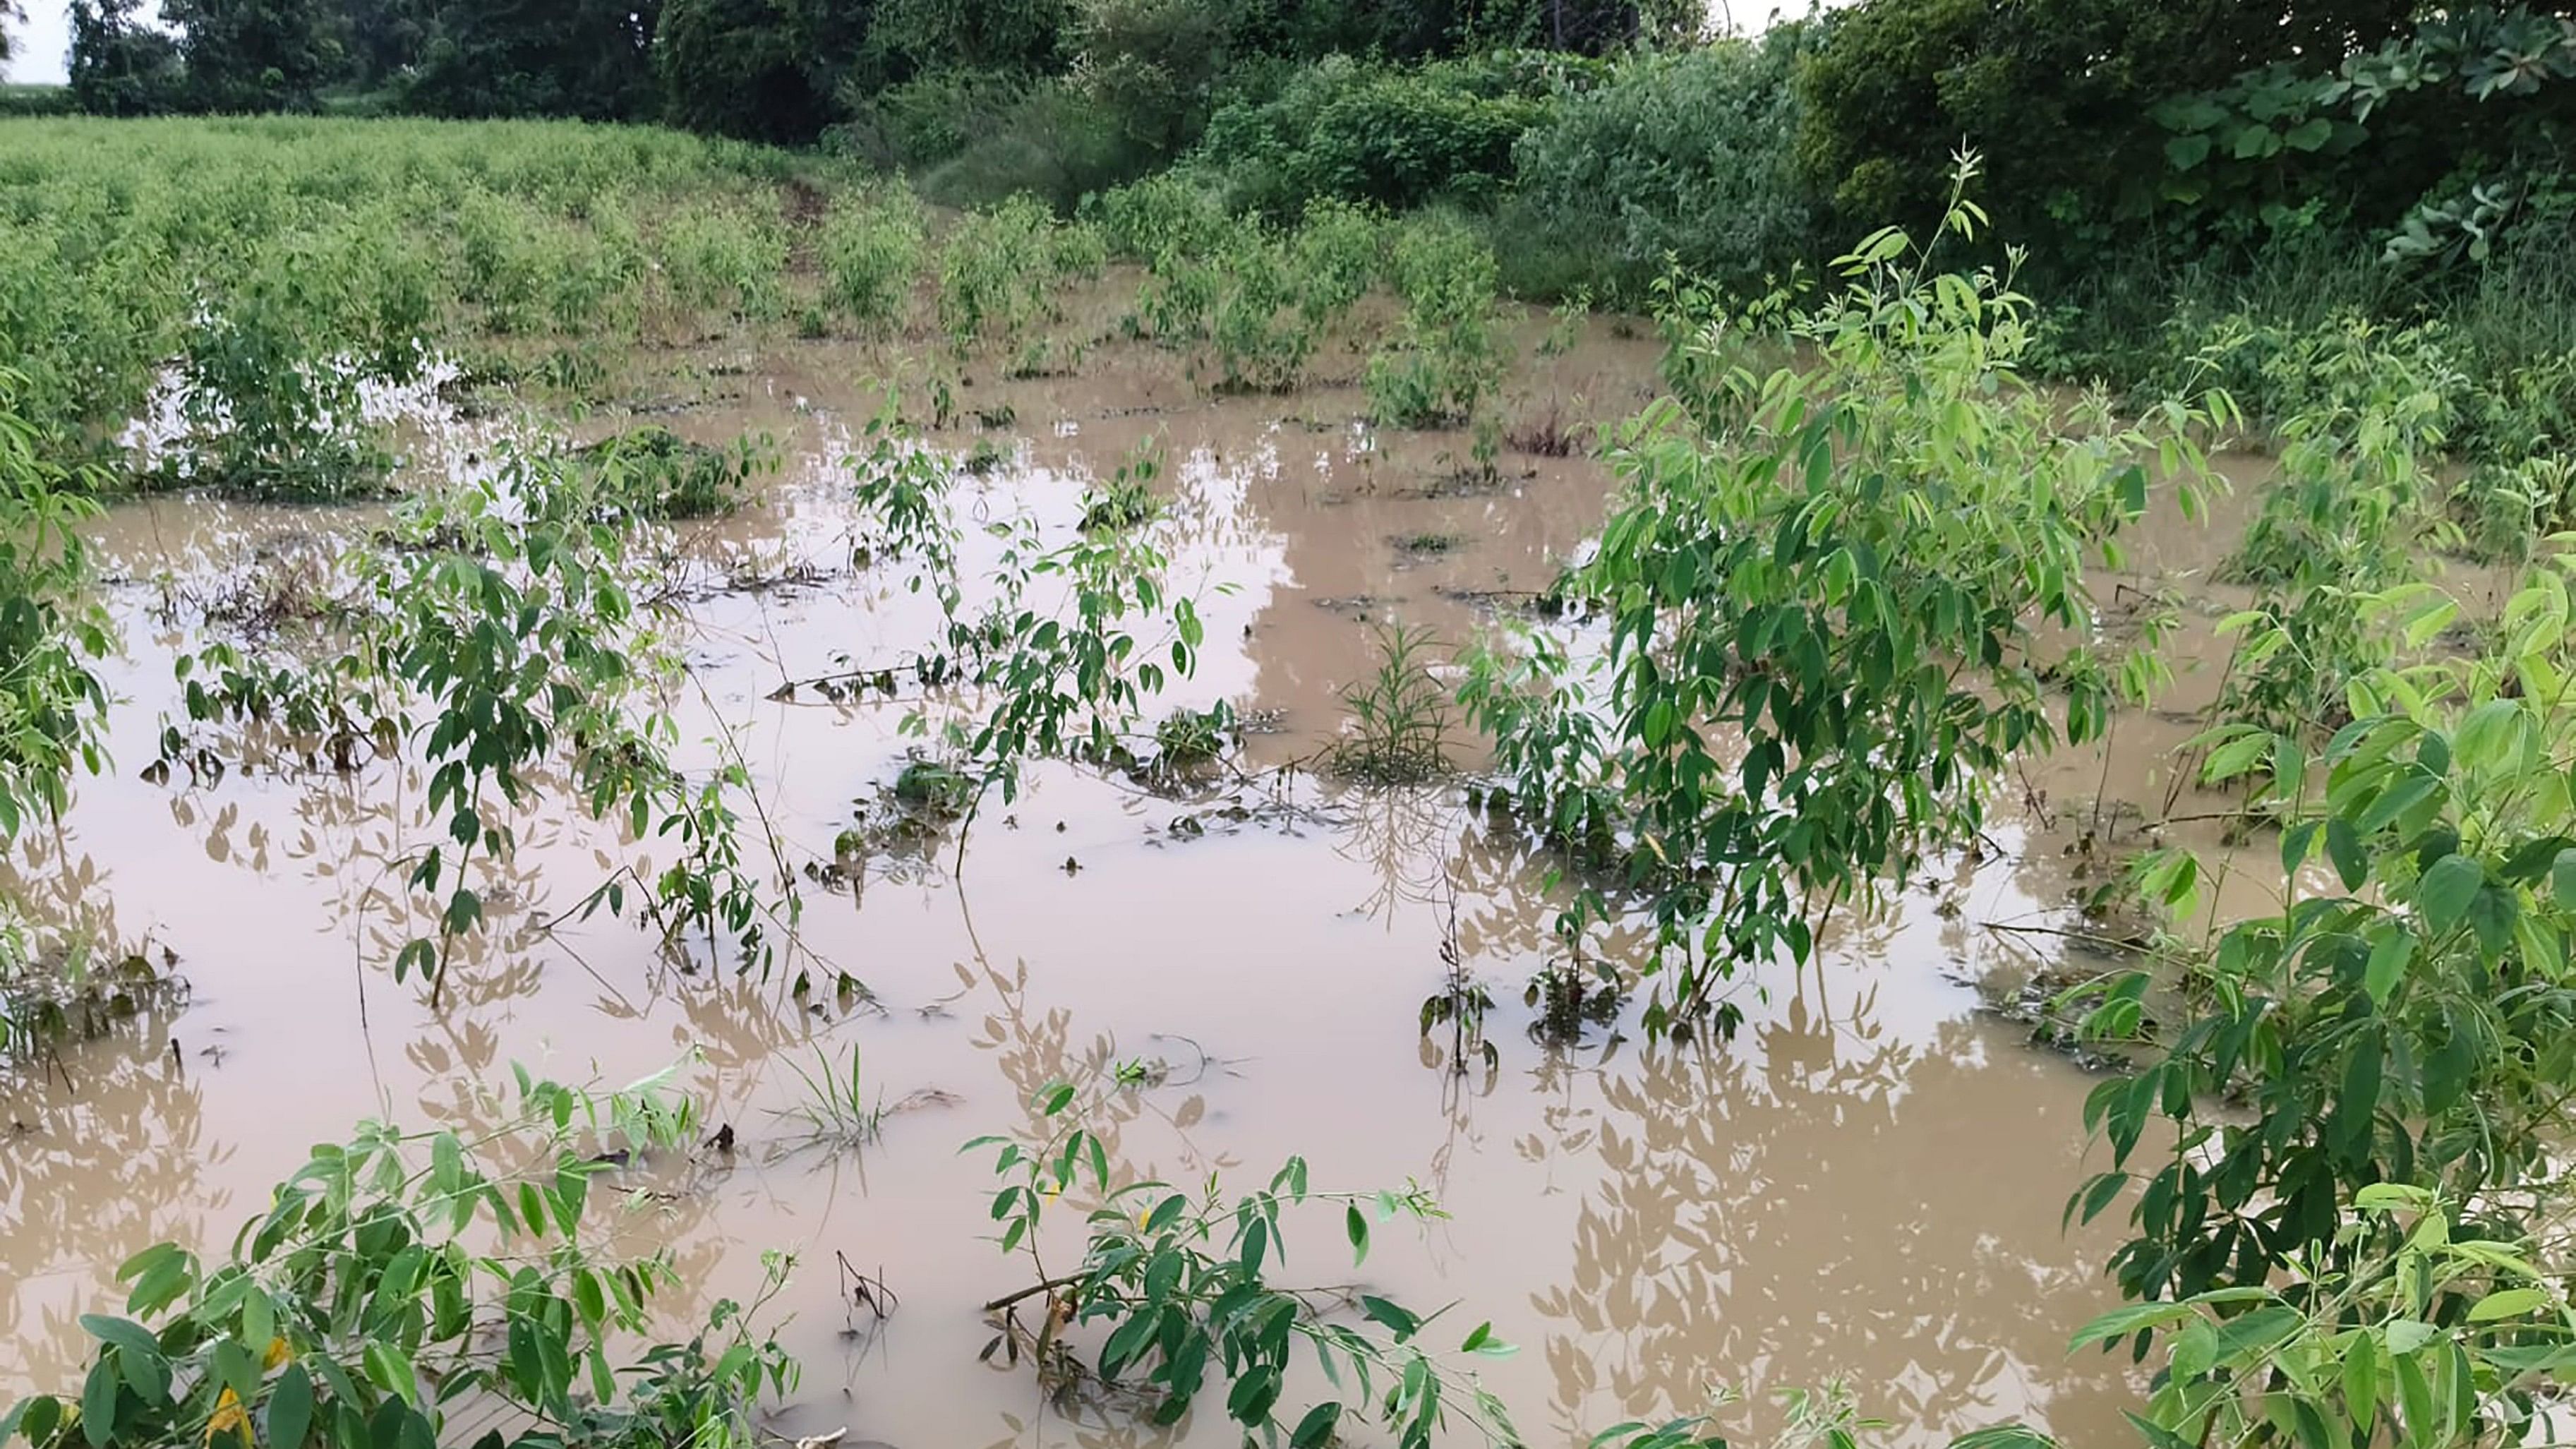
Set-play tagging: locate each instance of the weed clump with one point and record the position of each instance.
(1398, 729)
(652, 472)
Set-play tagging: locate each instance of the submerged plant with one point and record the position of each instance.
(835, 1106)
(1398, 729)
(654, 473)
(495, 629)
(1824, 586)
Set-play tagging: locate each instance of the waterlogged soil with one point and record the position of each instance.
(1863, 1183)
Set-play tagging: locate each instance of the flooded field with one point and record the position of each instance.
(1862, 1183)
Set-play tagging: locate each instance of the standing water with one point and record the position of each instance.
(1862, 1182)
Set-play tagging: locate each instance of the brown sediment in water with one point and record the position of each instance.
(1863, 1183)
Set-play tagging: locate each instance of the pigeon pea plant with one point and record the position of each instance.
(1835, 594)
(497, 632)
(2351, 1122)
(2422, 1340)
(52, 705)
(1179, 1282)
(1051, 641)
(405, 1284)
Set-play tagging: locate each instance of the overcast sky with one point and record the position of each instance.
(40, 43)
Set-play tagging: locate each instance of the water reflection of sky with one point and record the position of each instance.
(1863, 1181)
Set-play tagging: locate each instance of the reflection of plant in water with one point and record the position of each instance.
(130, 1145)
(1728, 1172)
(1400, 835)
(68, 973)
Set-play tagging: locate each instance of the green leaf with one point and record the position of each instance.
(2562, 880)
(1399, 1320)
(2187, 152)
(2119, 1323)
(2343, 847)
(2509, 1303)
(1316, 1428)
(98, 1404)
(290, 1408)
(390, 1369)
(2388, 958)
(1355, 1224)
(2446, 891)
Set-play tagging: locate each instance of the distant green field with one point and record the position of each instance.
(246, 249)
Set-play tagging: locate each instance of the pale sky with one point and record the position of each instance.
(42, 43)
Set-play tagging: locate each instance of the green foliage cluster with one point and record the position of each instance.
(1180, 1281)
(51, 700)
(1449, 352)
(497, 633)
(872, 250)
(1395, 136)
(255, 280)
(365, 1306)
(1671, 160)
(1825, 583)
(2374, 1232)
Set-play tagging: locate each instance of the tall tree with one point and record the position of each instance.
(258, 55)
(121, 66)
(587, 58)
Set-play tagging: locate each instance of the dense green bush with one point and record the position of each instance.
(922, 121)
(2055, 94)
(1397, 136)
(1678, 158)
(1054, 143)
(737, 68)
(18, 100)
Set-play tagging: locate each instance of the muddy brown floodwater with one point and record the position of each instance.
(1863, 1184)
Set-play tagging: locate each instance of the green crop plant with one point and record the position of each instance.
(1449, 353)
(2369, 1222)
(1161, 216)
(493, 627)
(1180, 1282)
(2355, 506)
(1823, 585)
(872, 251)
(1262, 333)
(401, 1276)
(727, 259)
(52, 704)
(653, 473)
(996, 274)
(275, 409)
(1336, 248)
